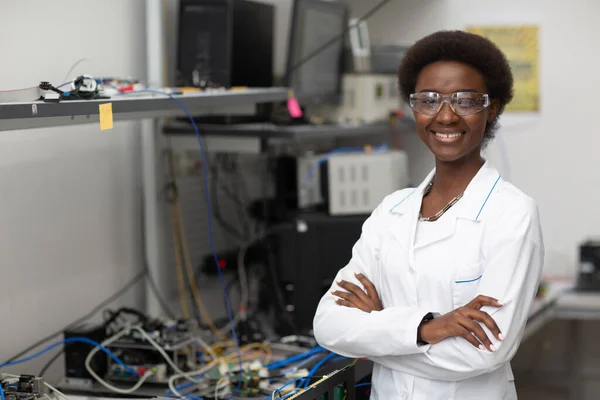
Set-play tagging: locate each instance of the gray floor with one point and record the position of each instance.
(540, 393)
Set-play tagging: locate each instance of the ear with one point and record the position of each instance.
(493, 110)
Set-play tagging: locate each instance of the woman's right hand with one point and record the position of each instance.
(462, 322)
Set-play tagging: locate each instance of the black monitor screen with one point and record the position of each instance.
(316, 22)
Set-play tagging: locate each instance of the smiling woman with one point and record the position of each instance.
(478, 54)
(441, 281)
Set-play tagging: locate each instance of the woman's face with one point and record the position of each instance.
(449, 136)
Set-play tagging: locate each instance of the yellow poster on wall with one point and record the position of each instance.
(520, 45)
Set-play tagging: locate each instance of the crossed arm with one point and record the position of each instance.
(461, 322)
(351, 321)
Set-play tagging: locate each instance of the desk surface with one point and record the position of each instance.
(543, 308)
(553, 295)
(578, 305)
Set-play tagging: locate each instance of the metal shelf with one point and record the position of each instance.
(39, 114)
(271, 131)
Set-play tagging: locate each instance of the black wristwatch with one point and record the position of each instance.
(428, 317)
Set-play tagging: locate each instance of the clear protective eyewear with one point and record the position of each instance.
(462, 103)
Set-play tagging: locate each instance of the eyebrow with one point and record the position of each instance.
(460, 90)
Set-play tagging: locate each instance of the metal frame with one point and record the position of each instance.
(39, 114)
(296, 133)
(153, 217)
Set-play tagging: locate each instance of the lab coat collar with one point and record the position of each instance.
(468, 207)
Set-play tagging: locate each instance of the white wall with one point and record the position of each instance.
(552, 155)
(69, 197)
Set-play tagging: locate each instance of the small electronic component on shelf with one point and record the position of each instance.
(177, 338)
(23, 387)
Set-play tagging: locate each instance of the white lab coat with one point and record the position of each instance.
(488, 243)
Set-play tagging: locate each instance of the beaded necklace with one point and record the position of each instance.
(437, 215)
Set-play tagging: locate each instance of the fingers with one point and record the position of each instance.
(488, 321)
(345, 303)
(351, 298)
(368, 285)
(475, 329)
(371, 291)
(481, 301)
(468, 336)
(355, 290)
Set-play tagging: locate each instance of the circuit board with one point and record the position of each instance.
(25, 387)
(338, 385)
(176, 337)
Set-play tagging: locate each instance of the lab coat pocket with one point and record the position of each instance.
(466, 282)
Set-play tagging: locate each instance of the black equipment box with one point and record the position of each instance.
(589, 266)
(76, 352)
(307, 256)
(225, 43)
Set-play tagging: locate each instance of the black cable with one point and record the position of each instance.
(89, 315)
(158, 296)
(341, 36)
(171, 193)
(234, 174)
(244, 196)
(50, 362)
(216, 209)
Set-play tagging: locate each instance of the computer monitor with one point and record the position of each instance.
(225, 43)
(316, 80)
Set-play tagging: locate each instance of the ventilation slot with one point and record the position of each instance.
(353, 198)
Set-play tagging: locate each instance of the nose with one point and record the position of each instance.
(446, 116)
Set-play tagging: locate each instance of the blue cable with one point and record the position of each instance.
(363, 384)
(182, 386)
(283, 387)
(71, 340)
(193, 397)
(293, 368)
(2, 392)
(209, 221)
(297, 357)
(340, 358)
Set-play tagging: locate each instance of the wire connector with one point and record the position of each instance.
(45, 85)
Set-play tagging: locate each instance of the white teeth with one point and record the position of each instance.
(448, 135)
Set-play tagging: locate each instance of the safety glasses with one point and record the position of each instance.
(462, 103)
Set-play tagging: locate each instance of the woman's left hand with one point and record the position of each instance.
(366, 300)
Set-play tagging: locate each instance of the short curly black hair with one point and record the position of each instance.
(468, 48)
